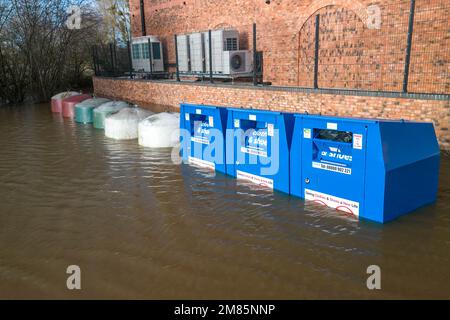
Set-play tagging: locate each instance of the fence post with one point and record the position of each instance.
(94, 60)
(176, 58)
(408, 46)
(316, 53)
(116, 65)
(112, 58)
(255, 81)
(130, 61)
(210, 57)
(150, 56)
(141, 5)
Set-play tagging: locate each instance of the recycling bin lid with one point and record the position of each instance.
(353, 119)
(255, 111)
(200, 106)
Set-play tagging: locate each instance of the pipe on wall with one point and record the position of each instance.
(141, 4)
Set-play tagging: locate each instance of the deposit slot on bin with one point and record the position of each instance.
(332, 150)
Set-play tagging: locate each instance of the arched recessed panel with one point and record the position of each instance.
(348, 56)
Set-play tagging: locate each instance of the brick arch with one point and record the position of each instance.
(354, 5)
(222, 25)
(304, 62)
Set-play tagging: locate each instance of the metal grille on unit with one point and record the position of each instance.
(231, 44)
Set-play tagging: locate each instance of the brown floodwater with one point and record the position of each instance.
(140, 226)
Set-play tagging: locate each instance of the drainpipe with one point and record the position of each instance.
(144, 33)
(408, 45)
(255, 81)
(316, 53)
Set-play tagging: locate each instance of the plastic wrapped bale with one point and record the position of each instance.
(84, 110)
(123, 125)
(100, 113)
(160, 130)
(58, 98)
(68, 104)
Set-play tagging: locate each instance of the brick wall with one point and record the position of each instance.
(171, 94)
(351, 55)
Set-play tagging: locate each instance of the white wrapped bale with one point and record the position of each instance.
(160, 130)
(101, 112)
(123, 125)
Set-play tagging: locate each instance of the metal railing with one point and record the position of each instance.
(408, 54)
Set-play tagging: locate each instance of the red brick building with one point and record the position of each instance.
(362, 43)
(362, 46)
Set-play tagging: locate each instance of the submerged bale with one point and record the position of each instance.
(123, 125)
(160, 130)
(58, 98)
(84, 110)
(68, 104)
(100, 113)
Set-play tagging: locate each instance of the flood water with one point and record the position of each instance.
(140, 226)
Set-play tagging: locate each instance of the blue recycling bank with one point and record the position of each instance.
(258, 147)
(374, 169)
(203, 137)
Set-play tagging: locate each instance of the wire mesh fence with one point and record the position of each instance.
(111, 60)
(391, 46)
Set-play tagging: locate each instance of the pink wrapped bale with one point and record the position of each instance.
(68, 104)
(58, 98)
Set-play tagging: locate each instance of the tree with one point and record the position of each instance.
(116, 20)
(12, 63)
(40, 53)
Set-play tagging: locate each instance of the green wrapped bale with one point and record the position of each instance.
(101, 112)
(84, 110)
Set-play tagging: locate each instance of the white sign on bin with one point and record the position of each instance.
(341, 204)
(270, 129)
(357, 141)
(332, 125)
(202, 163)
(306, 133)
(255, 179)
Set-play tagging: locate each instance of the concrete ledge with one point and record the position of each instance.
(348, 92)
(345, 103)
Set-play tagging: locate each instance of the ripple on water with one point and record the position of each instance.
(143, 227)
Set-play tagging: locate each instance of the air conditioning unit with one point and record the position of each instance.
(226, 56)
(197, 52)
(237, 62)
(183, 53)
(140, 54)
(222, 41)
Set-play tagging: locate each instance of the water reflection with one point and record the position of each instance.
(140, 226)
